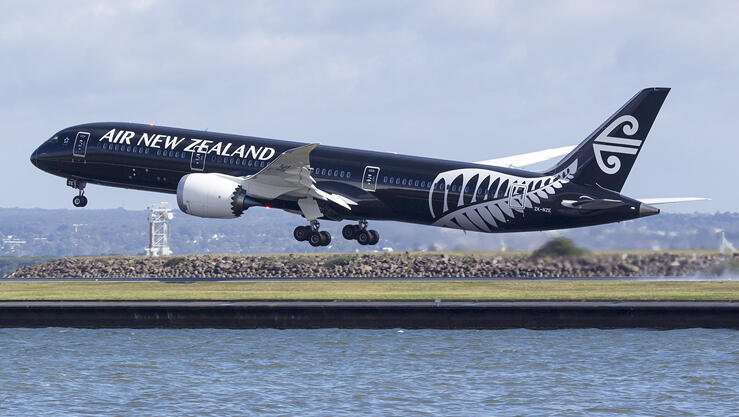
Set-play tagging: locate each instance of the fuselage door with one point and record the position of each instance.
(80, 144)
(517, 200)
(197, 161)
(369, 179)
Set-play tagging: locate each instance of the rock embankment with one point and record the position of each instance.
(379, 265)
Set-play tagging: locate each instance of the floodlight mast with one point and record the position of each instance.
(159, 217)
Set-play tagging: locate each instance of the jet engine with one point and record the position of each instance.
(213, 195)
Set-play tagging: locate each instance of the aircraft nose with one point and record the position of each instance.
(34, 158)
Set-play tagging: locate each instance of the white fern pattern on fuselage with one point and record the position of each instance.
(490, 207)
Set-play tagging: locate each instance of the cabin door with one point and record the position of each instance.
(369, 179)
(80, 145)
(197, 161)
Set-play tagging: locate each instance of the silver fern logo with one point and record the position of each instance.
(485, 199)
(614, 145)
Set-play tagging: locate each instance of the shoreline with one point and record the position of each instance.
(386, 265)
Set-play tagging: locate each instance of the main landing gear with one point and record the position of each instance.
(360, 233)
(79, 200)
(312, 234)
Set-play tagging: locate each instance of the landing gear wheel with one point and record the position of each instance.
(315, 238)
(301, 233)
(79, 201)
(325, 238)
(349, 232)
(375, 237)
(364, 237)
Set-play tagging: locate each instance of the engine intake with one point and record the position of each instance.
(214, 196)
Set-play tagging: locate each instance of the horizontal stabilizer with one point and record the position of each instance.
(671, 200)
(516, 161)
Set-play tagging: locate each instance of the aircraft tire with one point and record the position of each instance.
(301, 233)
(77, 201)
(325, 238)
(375, 237)
(315, 239)
(349, 232)
(84, 201)
(364, 237)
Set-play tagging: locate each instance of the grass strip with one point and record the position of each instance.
(377, 290)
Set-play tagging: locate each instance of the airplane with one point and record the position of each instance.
(218, 175)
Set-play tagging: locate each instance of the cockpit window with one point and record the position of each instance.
(55, 139)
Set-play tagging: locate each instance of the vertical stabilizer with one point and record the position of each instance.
(606, 156)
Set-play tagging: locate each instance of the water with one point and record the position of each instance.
(369, 372)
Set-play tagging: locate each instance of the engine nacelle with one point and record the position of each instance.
(212, 195)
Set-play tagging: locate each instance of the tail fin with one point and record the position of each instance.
(606, 156)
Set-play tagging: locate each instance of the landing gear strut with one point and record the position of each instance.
(79, 200)
(360, 233)
(312, 234)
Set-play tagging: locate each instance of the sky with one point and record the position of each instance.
(462, 80)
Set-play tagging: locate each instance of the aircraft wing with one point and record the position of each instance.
(289, 174)
(530, 158)
(651, 201)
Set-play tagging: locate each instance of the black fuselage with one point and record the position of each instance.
(385, 186)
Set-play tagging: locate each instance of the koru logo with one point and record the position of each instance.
(613, 145)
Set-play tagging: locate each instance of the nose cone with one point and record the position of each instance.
(34, 158)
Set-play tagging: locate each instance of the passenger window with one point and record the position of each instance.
(405, 181)
(336, 173)
(146, 151)
(177, 154)
(329, 172)
(392, 180)
(249, 163)
(323, 171)
(159, 152)
(171, 154)
(423, 184)
(135, 149)
(384, 179)
(342, 174)
(262, 164)
(348, 174)
(416, 183)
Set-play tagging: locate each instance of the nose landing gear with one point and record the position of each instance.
(360, 233)
(79, 200)
(312, 234)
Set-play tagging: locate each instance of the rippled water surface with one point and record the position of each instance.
(369, 372)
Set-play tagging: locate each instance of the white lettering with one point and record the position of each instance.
(239, 151)
(192, 145)
(203, 148)
(225, 150)
(216, 149)
(108, 136)
(266, 154)
(253, 151)
(172, 143)
(127, 135)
